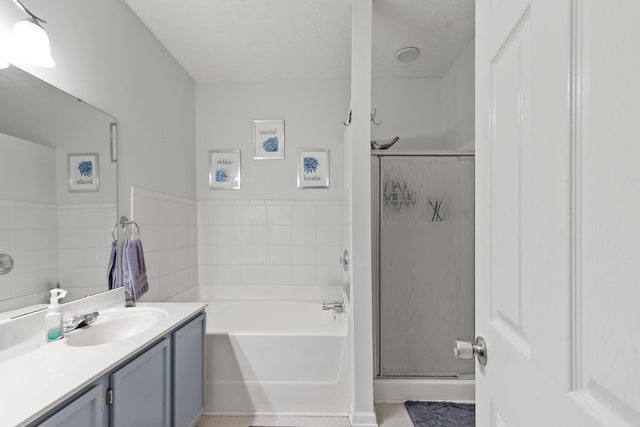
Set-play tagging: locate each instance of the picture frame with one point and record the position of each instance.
(113, 141)
(313, 168)
(224, 169)
(268, 139)
(84, 172)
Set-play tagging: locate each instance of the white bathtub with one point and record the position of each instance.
(275, 357)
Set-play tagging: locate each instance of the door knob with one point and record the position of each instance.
(466, 350)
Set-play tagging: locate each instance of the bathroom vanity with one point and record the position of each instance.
(148, 373)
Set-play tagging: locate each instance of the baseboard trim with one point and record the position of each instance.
(363, 419)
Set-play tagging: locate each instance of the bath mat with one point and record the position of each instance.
(441, 414)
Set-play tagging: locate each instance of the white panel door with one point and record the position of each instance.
(558, 212)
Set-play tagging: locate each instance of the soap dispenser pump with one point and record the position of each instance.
(53, 319)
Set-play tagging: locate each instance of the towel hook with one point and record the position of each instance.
(348, 122)
(373, 118)
(127, 226)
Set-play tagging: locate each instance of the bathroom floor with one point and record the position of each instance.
(389, 415)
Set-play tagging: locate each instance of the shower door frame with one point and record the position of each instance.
(376, 207)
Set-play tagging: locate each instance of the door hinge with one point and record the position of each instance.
(109, 396)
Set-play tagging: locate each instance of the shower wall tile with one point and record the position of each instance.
(278, 275)
(279, 255)
(303, 215)
(254, 255)
(303, 235)
(257, 242)
(303, 255)
(169, 235)
(229, 235)
(254, 215)
(254, 234)
(84, 242)
(278, 235)
(229, 274)
(254, 274)
(303, 274)
(229, 255)
(28, 232)
(279, 215)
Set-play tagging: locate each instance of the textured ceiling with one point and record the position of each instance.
(253, 39)
(439, 28)
(264, 40)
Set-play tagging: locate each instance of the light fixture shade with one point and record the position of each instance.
(29, 43)
(4, 61)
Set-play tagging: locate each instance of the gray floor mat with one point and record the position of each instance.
(441, 414)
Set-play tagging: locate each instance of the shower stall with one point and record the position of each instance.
(423, 261)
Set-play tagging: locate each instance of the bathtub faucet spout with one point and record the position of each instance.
(336, 306)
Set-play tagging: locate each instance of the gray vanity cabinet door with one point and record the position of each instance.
(88, 409)
(188, 372)
(142, 390)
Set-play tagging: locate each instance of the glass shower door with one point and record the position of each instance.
(426, 265)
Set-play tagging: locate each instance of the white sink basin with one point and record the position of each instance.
(116, 325)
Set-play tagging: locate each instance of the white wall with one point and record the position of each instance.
(313, 112)
(106, 57)
(458, 101)
(358, 136)
(27, 171)
(408, 108)
(433, 113)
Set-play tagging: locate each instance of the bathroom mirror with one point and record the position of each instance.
(58, 191)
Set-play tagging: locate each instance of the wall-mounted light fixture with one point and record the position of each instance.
(29, 41)
(4, 62)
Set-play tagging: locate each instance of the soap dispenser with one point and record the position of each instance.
(53, 319)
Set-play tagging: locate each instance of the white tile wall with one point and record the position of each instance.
(257, 242)
(169, 239)
(28, 232)
(84, 244)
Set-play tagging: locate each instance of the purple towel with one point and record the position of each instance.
(134, 270)
(112, 269)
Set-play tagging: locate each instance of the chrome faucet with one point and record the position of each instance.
(337, 306)
(80, 320)
(129, 299)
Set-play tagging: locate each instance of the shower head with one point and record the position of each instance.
(383, 146)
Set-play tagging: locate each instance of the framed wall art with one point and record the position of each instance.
(84, 172)
(313, 168)
(224, 169)
(268, 139)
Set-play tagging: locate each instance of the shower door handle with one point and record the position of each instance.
(344, 260)
(466, 350)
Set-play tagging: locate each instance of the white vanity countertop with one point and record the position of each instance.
(35, 382)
